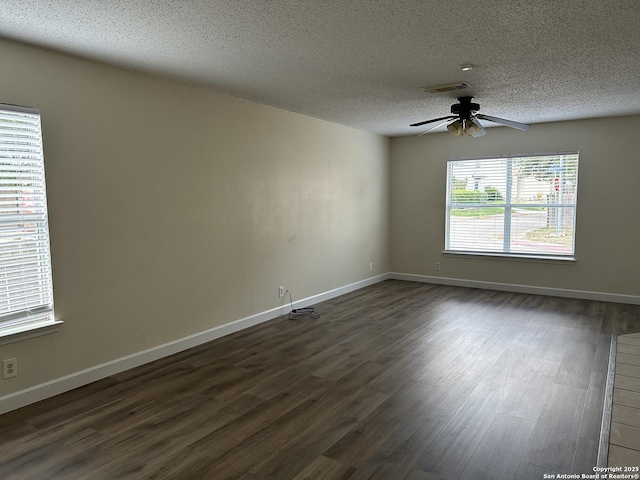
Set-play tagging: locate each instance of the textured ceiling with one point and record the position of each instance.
(363, 62)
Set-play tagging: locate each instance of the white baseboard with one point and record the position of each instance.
(54, 387)
(511, 287)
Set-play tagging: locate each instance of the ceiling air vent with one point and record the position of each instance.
(449, 87)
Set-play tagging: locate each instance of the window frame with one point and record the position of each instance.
(34, 318)
(508, 206)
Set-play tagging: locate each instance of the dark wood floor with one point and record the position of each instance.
(396, 381)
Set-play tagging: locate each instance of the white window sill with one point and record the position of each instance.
(18, 333)
(515, 257)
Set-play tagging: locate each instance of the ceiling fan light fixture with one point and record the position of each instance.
(455, 128)
(465, 119)
(471, 127)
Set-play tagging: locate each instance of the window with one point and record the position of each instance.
(26, 292)
(519, 206)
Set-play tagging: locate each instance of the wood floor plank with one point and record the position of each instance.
(259, 448)
(408, 442)
(396, 457)
(183, 465)
(365, 374)
(628, 358)
(360, 352)
(420, 475)
(592, 414)
(218, 442)
(138, 452)
(451, 449)
(67, 401)
(357, 445)
(629, 340)
(499, 452)
(623, 457)
(278, 382)
(16, 432)
(443, 400)
(625, 415)
(246, 476)
(603, 347)
(392, 422)
(625, 436)
(628, 349)
(627, 370)
(525, 400)
(627, 317)
(585, 455)
(398, 380)
(31, 464)
(627, 383)
(299, 451)
(323, 468)
(554, 440)
(626, 397)
(530, 471)
(552, 346)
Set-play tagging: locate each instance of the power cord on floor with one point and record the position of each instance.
(298, 313)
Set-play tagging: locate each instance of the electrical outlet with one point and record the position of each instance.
(280, 292)
(436, 267)
(371, 267)
(9, 367)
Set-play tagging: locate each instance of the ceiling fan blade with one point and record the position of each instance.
(432, 120)
(433, 127)
(502, 121)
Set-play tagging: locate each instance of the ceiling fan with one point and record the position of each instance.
(466, 120)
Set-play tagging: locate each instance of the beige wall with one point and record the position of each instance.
(608, 214)
(174, 209)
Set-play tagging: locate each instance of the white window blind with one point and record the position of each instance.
(521, 206)
(26, 292)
